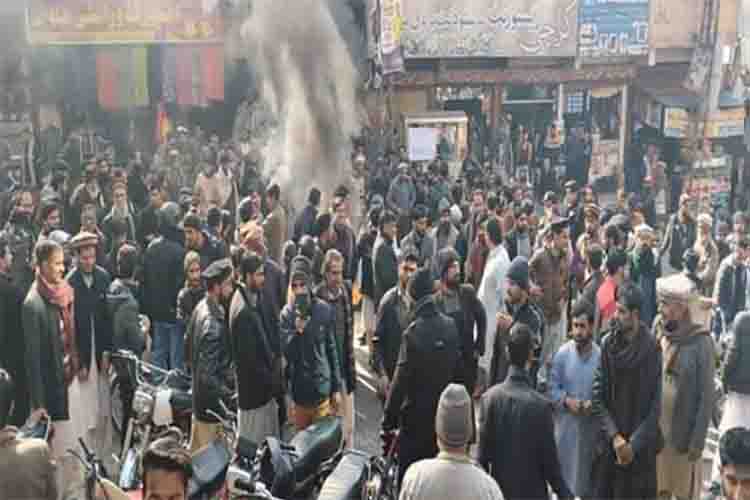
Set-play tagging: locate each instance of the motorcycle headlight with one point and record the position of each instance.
(143, 405)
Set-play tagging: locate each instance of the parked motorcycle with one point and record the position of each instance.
(290, 471)
(154, 399)
(98, 486)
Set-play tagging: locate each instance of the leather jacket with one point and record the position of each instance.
(213, 377)
(736, 370)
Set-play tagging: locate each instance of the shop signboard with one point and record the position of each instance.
(422, 143)
(726, 123)
(676, 123)
(390, 36)
(605, 157)
(613, 28)
(125, 21)
(488, 28)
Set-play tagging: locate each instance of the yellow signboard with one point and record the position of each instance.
(726, 123)
(676, 123)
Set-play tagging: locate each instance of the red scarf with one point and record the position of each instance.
(61, 295)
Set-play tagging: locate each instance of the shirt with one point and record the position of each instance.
(448, 477)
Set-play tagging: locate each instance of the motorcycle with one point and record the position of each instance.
(291, 471)
(98, 486)
(155, 399)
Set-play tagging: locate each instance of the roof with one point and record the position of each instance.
(436, 117)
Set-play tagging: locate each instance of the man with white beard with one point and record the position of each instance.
(122, 209)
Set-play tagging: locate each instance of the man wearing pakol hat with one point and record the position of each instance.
(688, 388)
(460, 302)
(518, 310)
(516, 430)
(549, 272)
(452, 474)
(213, 378)
(492, 293)
(308, 333)
(430, 341)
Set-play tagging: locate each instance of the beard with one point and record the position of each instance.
(453, 282)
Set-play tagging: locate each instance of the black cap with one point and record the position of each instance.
(218, 271)
(322, 224)
(192, 220)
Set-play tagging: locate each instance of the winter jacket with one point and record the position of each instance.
(213, 249)
(385, 267)
(12, 345)
(187, 300)
(365, 248)
(162, 279)
(312, 360)
(423, 246)
(517, 440)
(736, 370)
(730, 289)
(402, 195)
(213, 377)
(389, 331)
(305, 222)
(44, 355)
(90, 303)
(678, 237)
(551, 275)
(345, 345)
(276, 231)
(123, 310)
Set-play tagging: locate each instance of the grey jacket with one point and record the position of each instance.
(424, 248)
(44, 355)
(123, 309)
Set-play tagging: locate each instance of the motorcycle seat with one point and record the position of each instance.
(345, 482)
(315, 445)
(181, 402)
(209, 466)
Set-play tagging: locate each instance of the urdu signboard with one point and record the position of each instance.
(488, 28)
(613, 28)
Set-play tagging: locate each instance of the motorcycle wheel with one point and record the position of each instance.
(118, 412)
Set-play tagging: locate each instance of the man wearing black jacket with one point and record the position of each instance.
(460, 302)
(162, 281)
(256, 354)
(517, 436)
(429, 360)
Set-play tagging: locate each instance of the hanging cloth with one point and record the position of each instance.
(106, 80)
(140, 77)
(213, 72)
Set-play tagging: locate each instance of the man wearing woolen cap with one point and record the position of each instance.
(452, 474)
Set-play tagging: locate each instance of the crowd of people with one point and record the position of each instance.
(583, 339)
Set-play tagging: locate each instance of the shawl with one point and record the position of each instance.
(61, 296)
(671, 342)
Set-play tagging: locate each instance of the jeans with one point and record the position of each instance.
(168, 348)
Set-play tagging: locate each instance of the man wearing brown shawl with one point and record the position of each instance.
(688, 388)
(626, 400)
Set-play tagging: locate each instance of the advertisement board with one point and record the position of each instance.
(613, 28)
(487, 28)
(422, 143)
(676, 123)
(51, 22)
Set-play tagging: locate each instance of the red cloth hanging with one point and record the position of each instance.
(184, 64)
(212, 59)
(106, 80)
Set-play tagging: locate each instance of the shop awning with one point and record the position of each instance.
(665, 86)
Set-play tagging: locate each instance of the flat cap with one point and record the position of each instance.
(218, 270)
(84, 239)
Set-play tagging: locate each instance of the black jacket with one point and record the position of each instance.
(163, 278)
(365, 247)
(730, 289)
(736, 370)
(678, 237)
(213, 249)
(385, 267)
(273, 299)
(12, 346)
(346, 354)
(252, 350)
(213, 379)
(429, 360)
(388, 332)
(527, 314)
(517, 440)
(305, 222)
(91, 303)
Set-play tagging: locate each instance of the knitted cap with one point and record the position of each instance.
(518, 272)
(453, 423)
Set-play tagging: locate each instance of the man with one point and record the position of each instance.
(431, 340)
(592, 230)
(492, 293)
(275, 224)
(308, 327)
(93, 335)
(337, 294)
(21, 238)
(551, 209)
(213, 380)
(606, 296)
(518, 241)
(345, 239)
(444, 234)
(166, 470)
(516, 431)
(734, 453)
(325, 235)
(27, 470)
(122, 303)
(460, 303)
(730, 289)
(213, 186)
(385, 263)
(574, 210)
(643, 266)
(148, 220)
(50, 357)
(197, 238)
(50, 218)
(162, 279)
(122, 209)
(258, 368)
(11, 333)
(418, 240)
(679, 235)
(518, 310)
(549, 271)
(306, 220)
(88, 192)
(626, 402)
(739, 229)
(452, 474)
(688, 389)
(570, 385)
(394, 316)
(402, 196)
(594, 276)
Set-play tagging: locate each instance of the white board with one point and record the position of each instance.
(422, 143)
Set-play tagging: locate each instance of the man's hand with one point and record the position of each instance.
(573, 405)
(300, 325)
(626, 454)
(503, 321)
(37, 415)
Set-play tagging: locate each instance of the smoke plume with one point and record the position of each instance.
(306, 75)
